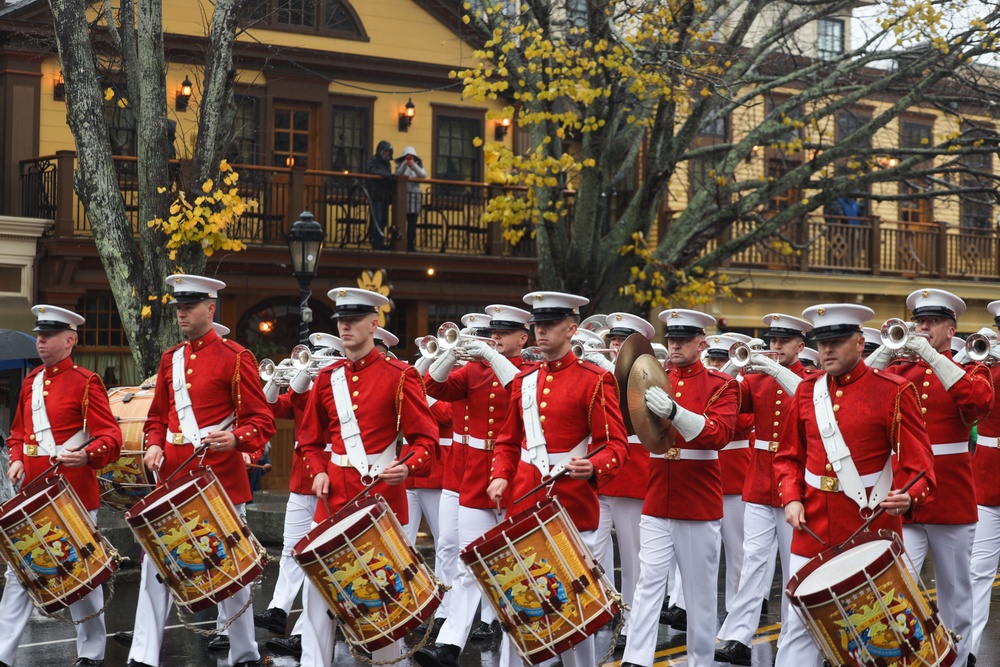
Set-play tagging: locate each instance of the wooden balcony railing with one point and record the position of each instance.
(450, 222)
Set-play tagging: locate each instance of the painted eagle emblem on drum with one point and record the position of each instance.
(870, 632)
(46, 549)
(531, 587)
(370, 582)
(191, 545)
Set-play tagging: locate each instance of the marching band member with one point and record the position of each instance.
(560, 410)
(874, 432)
(299, 509)
(734, 461)
(809, 358)
(224, 413)
(683, 506)
(986, 546)
(343, 452)
(953, 399)
(621, 498)
(484, 385)
(873, 339)
(61, 406)
(766, 395)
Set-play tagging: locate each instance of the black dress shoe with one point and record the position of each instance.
(123, 638)
(290, 645)
(439, 655)
(763, 606)
(250, 663)
(733, 652)
(629, 664)
(136, 663)
(622, 642)
(219, 643)
(435, 625)
(88, 662)
(971, 662)
(675, 617)
(274, 620)
(486, 631)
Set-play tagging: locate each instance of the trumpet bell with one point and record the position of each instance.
(978, 347)
(428, 346)
(894, 333)
(739, 354)
(266, 370)
(300, 356)
(448, 335)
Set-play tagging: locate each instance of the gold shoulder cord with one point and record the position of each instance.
(598, 393)
(399, 399)
(235, 391)
(85, 401)
(897, 417)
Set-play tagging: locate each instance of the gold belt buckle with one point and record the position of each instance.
(345, 461)
(673, 454)
(31, 450)
(178, 438)
(488, 445)
(831, 484)
(772, 446)
(465, 440)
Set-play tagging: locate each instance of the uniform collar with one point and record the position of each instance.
(60, 368)
(850, 378)
(559, 364)
(201, 343)
(688, 371)
(796, 367)
(365, 361)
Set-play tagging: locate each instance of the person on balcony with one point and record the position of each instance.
(380, 193)
(411, 166)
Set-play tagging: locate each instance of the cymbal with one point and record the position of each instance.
(633, 347)
(655, 434)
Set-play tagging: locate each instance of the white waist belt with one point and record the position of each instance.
(737, 444)
(988, 441)
(444, 442)
(525, 456)
(677, 454)
(766, 445)
(74, 441)
(376, 462)
(951, 448)
(180, 439)
(634, 439)
(480, 444)
(816, 481)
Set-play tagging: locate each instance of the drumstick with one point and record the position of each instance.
(549, 480)
(57, 464)
(813, 535)
(266, 467)
(375, 481)
(878, 512)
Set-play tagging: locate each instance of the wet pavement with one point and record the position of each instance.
(50, 642)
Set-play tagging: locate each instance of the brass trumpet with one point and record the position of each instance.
(448, 336)
(740, 353)
(581, 348)
(895, 334)
(283, 372)
(983, 348)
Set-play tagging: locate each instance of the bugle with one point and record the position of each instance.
(449, 335)
(895, 332)
(983, 348)
(283, 372)
(740, 353)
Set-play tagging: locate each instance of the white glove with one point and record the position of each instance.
(788, 380)
(300, 382)
(880, 358)
(731, 369)
(947, 371)
(687, 423)
(423, 363)
(599, 360)
(442, 366)
(501, 365)
(271, 391)
(757, 344)
(961, 357)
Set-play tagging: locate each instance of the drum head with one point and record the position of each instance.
(842, 566)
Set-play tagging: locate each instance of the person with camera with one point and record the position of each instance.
(411, 166)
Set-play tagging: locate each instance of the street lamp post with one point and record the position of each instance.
(305, 243)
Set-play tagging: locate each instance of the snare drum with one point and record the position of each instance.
(542, 580)
(126, 481)
(52, 545)
(862, 607)
(369, 575)
(203, 550)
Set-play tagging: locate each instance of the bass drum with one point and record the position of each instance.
(126, 481)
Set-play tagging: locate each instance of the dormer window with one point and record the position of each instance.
(830, 38)
(335, 18)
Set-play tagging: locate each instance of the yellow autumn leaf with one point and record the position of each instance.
(147, 311)
(109, 94)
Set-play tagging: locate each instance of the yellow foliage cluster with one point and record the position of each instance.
(653, 284)
(205, 220)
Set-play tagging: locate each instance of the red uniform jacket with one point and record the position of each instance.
(455, 456)
(986, 460)
(879, 416)
(435, 480)
(633, 477)
(74, 397)
(686, 489)
(769, 404)
(948, 418)
(290, 406)
(735, 463)
(486, 403)
(222, 379)
(389, 394)
(576, 399)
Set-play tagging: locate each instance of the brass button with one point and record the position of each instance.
(32, 437)
(777, 413)
(548, 378)
(829, 466)
(542, 405)
(45, 393)
(354, 378)
(490, 420)
(489, 433)
(492, 409)
(927, 384)
(48, 382)
(780, 392)
(776, 424)
(493, 395)
(546, 391)
(188, 385)
(923, 411)
(542, 418)
(923, 397)
(840, 392)
(681, 383)
(836, 408)
(678, 394)
(496, 384)
(354, 407)
(194, 356)
(777, 402)
(355, 393)
(190, 370)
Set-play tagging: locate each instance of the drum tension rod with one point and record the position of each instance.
(87, 550)
(409, 572)
(580, 584)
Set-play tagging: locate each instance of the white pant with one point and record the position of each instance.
(623, 514)
(764, 532)
(985, 556)
(695, 545)
(16, 608)
(951, 548)
(466, 593)
(796, 647)
(446, 555)
(318, 631)
(298, 517)
(153, 607)
(581, 655)
(422, 503)
(732, 543)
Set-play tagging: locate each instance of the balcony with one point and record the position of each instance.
(450, 223)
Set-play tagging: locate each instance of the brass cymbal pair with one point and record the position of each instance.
(636, 370)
